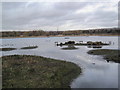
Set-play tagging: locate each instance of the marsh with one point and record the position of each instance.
(107, 72)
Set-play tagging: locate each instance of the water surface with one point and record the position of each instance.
(98, 75)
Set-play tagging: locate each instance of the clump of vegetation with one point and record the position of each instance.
(96, 44)
(69, 48)
(30, 47)
(26, 71)
(108, 54)
(7, 49)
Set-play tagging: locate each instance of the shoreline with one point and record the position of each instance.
(55, 36)
(107, 54)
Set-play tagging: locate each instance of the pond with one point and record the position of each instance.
(96, 72)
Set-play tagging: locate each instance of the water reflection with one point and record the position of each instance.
(2, 45)
(94, 46)
(69, 47)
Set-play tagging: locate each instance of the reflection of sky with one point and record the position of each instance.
(100, 74)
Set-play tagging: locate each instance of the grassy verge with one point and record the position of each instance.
(108, 54)
(26, 71)
(7, 49)
(30, 47)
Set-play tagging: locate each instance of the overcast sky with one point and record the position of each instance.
(62, 15)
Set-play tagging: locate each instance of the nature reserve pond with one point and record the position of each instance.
(101, 74)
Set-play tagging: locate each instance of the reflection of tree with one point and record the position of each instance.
(71, 46)
(94, 46)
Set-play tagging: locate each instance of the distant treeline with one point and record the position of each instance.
(110, 31)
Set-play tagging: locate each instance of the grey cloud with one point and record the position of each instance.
(70, 5)
(31, 15)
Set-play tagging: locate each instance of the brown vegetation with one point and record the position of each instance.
(110, 31)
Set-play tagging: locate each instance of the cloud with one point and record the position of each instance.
(66, 15)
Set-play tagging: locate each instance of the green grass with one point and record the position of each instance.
(30, 47)
(7, 49)
(26, 71)
(108, 54)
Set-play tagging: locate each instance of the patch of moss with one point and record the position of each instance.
(108, 54)
(30, 47)
(26, 71)
(7, 49)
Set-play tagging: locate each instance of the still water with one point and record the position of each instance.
(98, 75)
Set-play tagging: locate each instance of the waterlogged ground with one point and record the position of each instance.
(96, 72)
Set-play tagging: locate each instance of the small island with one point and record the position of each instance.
(69, 48)
(7, 49)
(30, 47)
(108, 54)
(27, 71)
